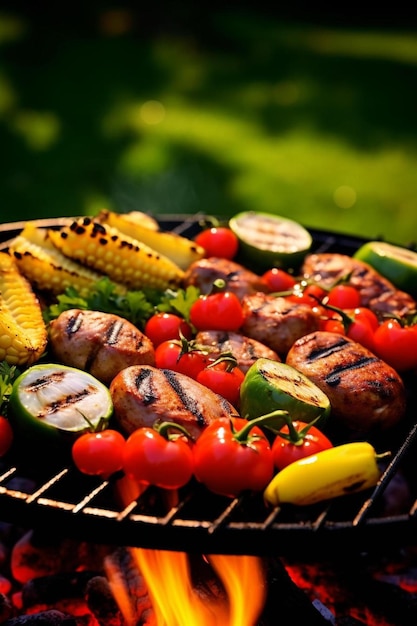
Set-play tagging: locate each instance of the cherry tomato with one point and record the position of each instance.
(6, 435)
(164, 326)
(362, 313)
(154, 459)
(333, 325)
(396, 345)
(232, 456)
(99, 453)
(217, 311)
(172, 355)
(303, 440)
(307, 294)
(278, 280)
(224, 381)
(343, 297)
(361, 331)
(218, 241)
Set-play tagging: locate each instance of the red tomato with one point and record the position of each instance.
(164, 326)
(6, 435)
(396, 345)
(307, 294)
(303, 440)
(361, 331)
(151, 458)
(362, 313)
(217, 311)
(278, 280)
(99, 453)
(333, 325)
(223, 381)
(171, 355)
(229, 462)
(218, 241)
(343, 297)
(358, 324)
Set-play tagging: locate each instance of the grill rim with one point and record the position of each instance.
(319, 534)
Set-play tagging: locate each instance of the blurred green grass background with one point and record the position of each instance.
(208, 109)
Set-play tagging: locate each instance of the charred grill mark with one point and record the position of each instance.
(187, 401)
(113, 331)
(144, 385)
(74, 324)
(66, 401)
(233, 276)
(43, 381)
(334, 377)
(91, 356)
(324, 352)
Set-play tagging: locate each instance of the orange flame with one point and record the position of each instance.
(176, 603)
(174, 599)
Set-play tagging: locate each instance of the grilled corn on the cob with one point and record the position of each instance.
(23, 334)
(180, 250)
(46, 267)
(124, 259)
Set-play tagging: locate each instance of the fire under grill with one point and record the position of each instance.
(194, 520)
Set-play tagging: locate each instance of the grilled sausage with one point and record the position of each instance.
(245, 350)
(376, 292)
(99, 343)
(143, 394)
(365, 393)
(238, 278)
(277, 322)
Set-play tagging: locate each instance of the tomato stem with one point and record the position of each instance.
(268, 420)
(294, 436)
(225, 357)
(165, 430)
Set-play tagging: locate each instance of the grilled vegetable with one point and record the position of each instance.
(23, 334)
(123, 258)
(331, 473)
(397, 264)
(53, 403)
(271, 385)
(46, 267)
(269, 240)
(180, 250)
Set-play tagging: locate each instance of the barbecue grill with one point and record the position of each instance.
(57, 496)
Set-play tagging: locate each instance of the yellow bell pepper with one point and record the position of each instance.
(344, 469)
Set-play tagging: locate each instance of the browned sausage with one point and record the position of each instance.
(143, 394)
(245, 350)
(365, 393)
(99, 343)
(277, 322)
(238, 278)
(376, 292)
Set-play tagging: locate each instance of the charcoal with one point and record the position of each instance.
(6, 608)
(285, 598)
(50, 589)
(101, 602)
(43, 618)
(348, 621)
